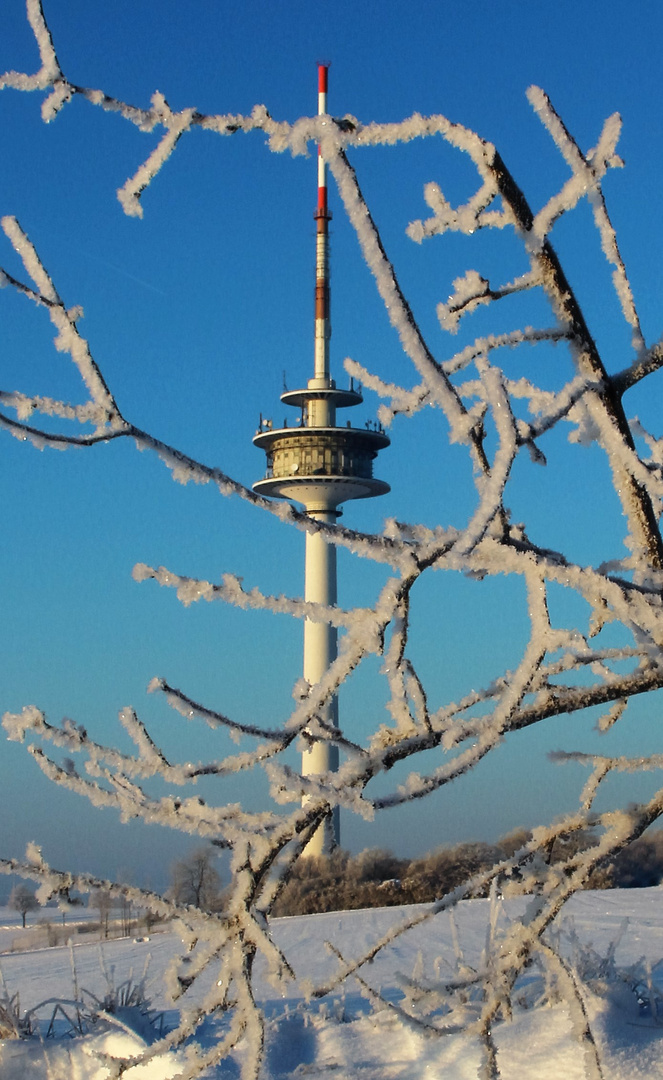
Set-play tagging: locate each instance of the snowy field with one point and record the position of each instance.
(13, 937)
(341, 1035)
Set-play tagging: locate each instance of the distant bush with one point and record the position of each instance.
(640, 864)
(442, 870)
(378, 878)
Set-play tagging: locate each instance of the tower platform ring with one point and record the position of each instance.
(316, 489)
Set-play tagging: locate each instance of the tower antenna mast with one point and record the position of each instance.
(322, 216)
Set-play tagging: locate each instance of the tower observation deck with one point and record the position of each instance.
(321, 464)
(316, 462)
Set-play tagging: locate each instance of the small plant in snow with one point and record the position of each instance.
(125, 1005)
(603, 975)
(13, 1024)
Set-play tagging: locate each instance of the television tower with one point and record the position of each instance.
(320, 464)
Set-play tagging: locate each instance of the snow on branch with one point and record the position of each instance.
(471, 291)
(649, 361)
(100, 410)
(405, 402)
(587, 175)
(232, 591)
(176, 124)
(50, 72)
(397, 306)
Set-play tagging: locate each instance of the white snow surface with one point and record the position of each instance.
(341, 1035)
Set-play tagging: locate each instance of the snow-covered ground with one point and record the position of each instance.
(341, 1035)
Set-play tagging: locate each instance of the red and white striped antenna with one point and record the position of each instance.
(322, 217)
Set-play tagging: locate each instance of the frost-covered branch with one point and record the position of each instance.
(232, 591)
(50, 72)
(101, 410)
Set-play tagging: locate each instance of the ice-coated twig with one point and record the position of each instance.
(232, 591)
(587, 174)
(189, 708)
(471, 291)
(50, 72)
(68, 337)
(58, 883)
(649, 361)
(400, 313)
(176, 124)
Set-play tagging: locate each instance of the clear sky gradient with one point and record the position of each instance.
(195, 312)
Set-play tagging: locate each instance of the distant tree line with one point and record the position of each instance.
(116, 916)
(378, 878)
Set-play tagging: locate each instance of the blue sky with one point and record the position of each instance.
(195, 312)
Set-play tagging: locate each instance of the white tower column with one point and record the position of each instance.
(320, 643)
